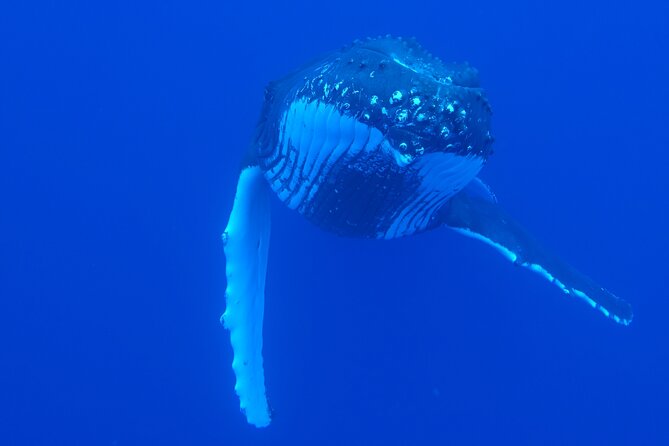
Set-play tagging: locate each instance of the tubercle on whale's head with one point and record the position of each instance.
(419, 103)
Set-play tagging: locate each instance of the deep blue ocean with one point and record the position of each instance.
(122, 127)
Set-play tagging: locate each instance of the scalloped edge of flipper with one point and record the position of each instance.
(246, 243)
(481, 218)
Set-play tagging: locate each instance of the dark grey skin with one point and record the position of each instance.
(380, 140)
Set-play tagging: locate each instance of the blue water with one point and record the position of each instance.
(121, 129)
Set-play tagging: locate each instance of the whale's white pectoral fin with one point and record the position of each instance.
(475, 213)
(246, 240)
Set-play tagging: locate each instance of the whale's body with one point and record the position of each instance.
(372, 140)
(380, 140)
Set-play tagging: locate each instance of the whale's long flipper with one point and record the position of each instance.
(475, 212)
(246, 240)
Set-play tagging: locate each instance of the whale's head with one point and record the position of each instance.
(366, 135)
(419, 103)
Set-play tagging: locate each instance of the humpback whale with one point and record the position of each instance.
(379, 139)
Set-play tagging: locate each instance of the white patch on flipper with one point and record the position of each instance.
(505, 252)
(586, 298)
(548, 276)
(246, 240)
(595, 305)
(544, 273)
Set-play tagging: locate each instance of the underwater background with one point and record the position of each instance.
(122, 126)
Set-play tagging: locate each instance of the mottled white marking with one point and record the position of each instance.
(309, 144)
(303, 140)
(293, 134)
(317, 135)
(281, 148)
(442, 176)
(400, 158)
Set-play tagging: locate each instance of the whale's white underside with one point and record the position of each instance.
(316, 138)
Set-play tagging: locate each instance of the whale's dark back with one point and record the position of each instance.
(372, 140)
